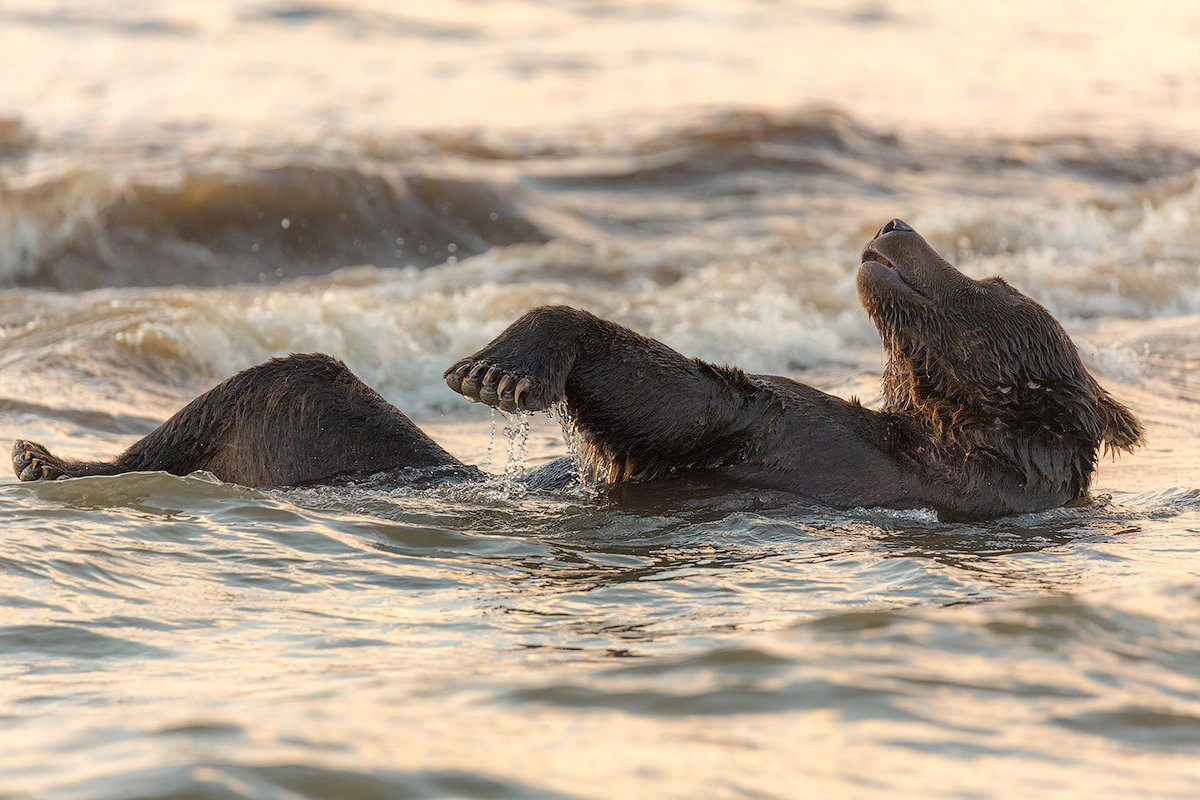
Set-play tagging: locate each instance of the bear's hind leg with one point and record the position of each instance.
(296, 420)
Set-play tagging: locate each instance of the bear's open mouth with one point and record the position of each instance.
(872, 255)
(879, 258)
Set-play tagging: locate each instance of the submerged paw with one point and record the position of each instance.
(32, 462)
(493, 384)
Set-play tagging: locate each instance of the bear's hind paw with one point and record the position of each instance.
(32, 462)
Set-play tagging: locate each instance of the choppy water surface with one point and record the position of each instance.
(188, 189)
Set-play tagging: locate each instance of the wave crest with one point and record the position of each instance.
(210, 228)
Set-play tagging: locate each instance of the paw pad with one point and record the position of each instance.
(31, 462)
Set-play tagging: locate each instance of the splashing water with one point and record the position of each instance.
(592, 473)
(516, 428)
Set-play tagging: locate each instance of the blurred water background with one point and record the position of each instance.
(189, 188)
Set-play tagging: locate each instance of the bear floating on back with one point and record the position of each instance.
(988, 409)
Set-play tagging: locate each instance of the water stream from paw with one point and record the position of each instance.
(516, 430)
(509, 482)
(491, 449)
(590, 480)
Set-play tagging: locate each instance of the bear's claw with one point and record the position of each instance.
(454, 376)
(494, 385)
(524, 387)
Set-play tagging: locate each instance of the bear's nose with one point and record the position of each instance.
(895, 225)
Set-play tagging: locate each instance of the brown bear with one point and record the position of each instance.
(987, 410)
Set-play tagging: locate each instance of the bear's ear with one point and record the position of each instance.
(1120, 429)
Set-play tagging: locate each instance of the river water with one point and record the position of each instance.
(189, 188)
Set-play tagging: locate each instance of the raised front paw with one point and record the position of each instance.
(496, 386)
(525, 368)
(32, 462)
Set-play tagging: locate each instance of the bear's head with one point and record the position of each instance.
(980, 367)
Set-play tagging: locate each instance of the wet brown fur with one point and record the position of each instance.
(983, 377)
(988, 409)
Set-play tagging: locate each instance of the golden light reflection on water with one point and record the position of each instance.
(252, 643)
(882, 711)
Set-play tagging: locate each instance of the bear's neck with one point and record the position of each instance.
(974, 446)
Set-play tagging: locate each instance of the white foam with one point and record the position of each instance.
(778, 303)
(1132, 255)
